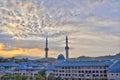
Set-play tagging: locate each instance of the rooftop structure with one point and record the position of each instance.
(46, 49)
(60, 57)
(67, 48)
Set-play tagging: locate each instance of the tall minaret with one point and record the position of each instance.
(46, 49)
(67, 48)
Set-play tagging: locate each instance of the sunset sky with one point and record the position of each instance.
(93, 27)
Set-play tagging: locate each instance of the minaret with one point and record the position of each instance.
(67, 48)
(46, 49)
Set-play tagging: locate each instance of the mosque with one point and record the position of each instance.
(64, 68)
(82, 70)
(60, 57)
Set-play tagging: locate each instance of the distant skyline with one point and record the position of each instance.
(92, 26)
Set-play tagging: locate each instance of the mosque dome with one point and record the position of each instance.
(60, 57)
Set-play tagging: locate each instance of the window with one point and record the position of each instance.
(96, 71)
(60, 71)
(82, 71)
(105, 75)
(79, 67)
(82, 75)
(86, 71)
(23, 73)
(72, 67)
(65, 67)
(89, 71)
(93, 75)
(101, 67)
(105, 71)
(101, 71)
(101, 75)
(97, 75)
(88, 75)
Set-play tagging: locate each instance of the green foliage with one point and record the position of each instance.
(14, 77)
(25, 77)
(17, 77)
(98, 79)
(7, 77)
(40, 75)
(51, 77)
(58, 78)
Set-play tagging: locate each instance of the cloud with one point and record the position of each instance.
(25, 51)
(25, 23)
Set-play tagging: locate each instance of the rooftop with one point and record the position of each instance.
(115, 67)
(84, 63)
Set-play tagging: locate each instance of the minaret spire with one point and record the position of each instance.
(67, 48)
(46, 48)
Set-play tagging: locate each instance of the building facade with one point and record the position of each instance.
(114, 71)
(81, 70)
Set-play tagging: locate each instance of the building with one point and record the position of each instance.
(67, 49)
(46, 49)
(1, 71)
(76, 70)
(9, 65)
(60, 58)
(114, 71)
(23, 68)
(82, 70)
(50, 69)
(64, 68)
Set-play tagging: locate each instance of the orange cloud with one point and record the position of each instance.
(24, 51)
(1, 46)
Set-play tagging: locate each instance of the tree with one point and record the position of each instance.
(7, 77)
(59, 78)
(24, 77)
(14, 77)
(41, 75)
(17, 77)
(51, 77)
(98, 79)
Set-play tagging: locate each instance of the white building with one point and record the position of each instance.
(114, 71)
(23, 68)
(1, 71)
(26, 71)
(82, 70)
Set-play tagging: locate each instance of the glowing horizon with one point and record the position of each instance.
(93, 27)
